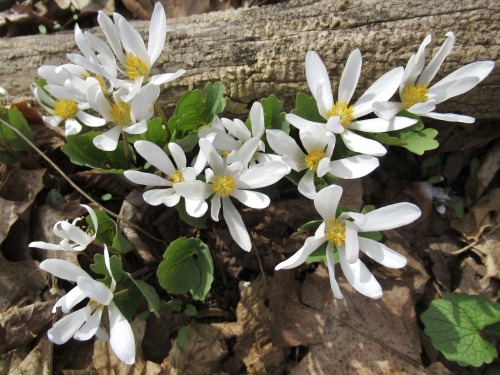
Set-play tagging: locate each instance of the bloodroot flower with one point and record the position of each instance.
(84, 323)
(342, 233)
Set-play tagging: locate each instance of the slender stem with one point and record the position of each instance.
(163, 119)
(75, 186)
(260, 261)
(125, 148)
(120, 293)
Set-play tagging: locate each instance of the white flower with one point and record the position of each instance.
(70, 101)
(129, 117)
(174, 174)
(73, 238)
(126, 45)
(234, 180)
(236, 142)
(342, 117)
(341, 233)
(317, 161)
(416, 95)
(83, 324)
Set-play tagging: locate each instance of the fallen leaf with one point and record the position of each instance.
(201, 355)
(38, 360)
(441, 251)
(473, 280)
(354, 331)
(24, 324)
(487, 171)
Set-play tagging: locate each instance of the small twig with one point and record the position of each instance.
(75, 186)
(472, 244)
(259, 260)
(120, 293)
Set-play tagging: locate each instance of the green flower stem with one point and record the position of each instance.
(125, 148)
(75, 186)
(164, 120)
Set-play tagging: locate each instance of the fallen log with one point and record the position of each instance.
(260, 51)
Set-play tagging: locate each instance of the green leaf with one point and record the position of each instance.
(54, 198)
(420, 141)
(187, 267)
(108, 233)
(193, 111)
(7, 157)
(306, 107)
(311, 225)
(388, 140)
(197, 222)
(454, 324)
(435, 180)
(375, 236)
(190, 310)
(128, 302)
(182, 336)
(274, 117)
(81, 151)
(10, 141)
(175, 305)
(156, 133)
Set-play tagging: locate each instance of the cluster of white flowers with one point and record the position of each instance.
(112, 83)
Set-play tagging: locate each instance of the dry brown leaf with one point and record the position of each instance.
(142, 9)
(24, 324)
(467, 136)
(201, 355)
(37, 362)
(473, 280)
(489, 249)
(441, 251)
(106, 362)
(18, 190)
(19, 280)
(487, 171)
(479, 217)
(355, 338)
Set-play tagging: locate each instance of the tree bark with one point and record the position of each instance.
(260, 51)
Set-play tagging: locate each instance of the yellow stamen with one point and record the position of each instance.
(66, 108)
(335, 232)
(176, 177)
(225, 153)
(224, 185)
(135, 67)
(98, 78)
(313, 158)
(415, 94)
(121, 113)
(344, 111)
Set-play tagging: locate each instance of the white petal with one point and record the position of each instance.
(108, 266)
(94, 290)
(257, 120)
(351, 242)
(313, 138)
(350, 77)
(452, 117)
(88, 330)
(237, 129)
(132, 40)
(390, 217)
(381, 253)
(90, 120)
(71, 126)
(327, 201)
(354, 166)
(245, 153)
(63, 269)
(121, 335)
(262, 175)
(252, 199)
(196, 208)
(362, 145)
(423, 108)
(155, 197)
(44, 245)
(65, 328)
(142, 105)
(379, 125)
(333, 125)
(235, 224)
(160, 79)
(306, 185)
(69, 300)
(111, 33)
(108, 140)
(330, 262)
(387, 110)
(317, 78)
(75, 233)
(360, 277)
(196, 190)
(157, 33)
(213, 157)
(215, 207)
(300, 122)
(147, 179)
(311, 244)
(156, 156)
(283, 144)
(452, 89)
(478, 69)
(380, 91)
(434, 65)
(177, 154)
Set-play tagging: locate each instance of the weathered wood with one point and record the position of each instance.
(259, 51)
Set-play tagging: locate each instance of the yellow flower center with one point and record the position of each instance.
(344, 111)
(335, 232)
(176, 177)
(121, 113)
(225, 153)
(66, 108)
(415, 94)
(224, 185)
(135, 67)
(98, 78)
(313, 158)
